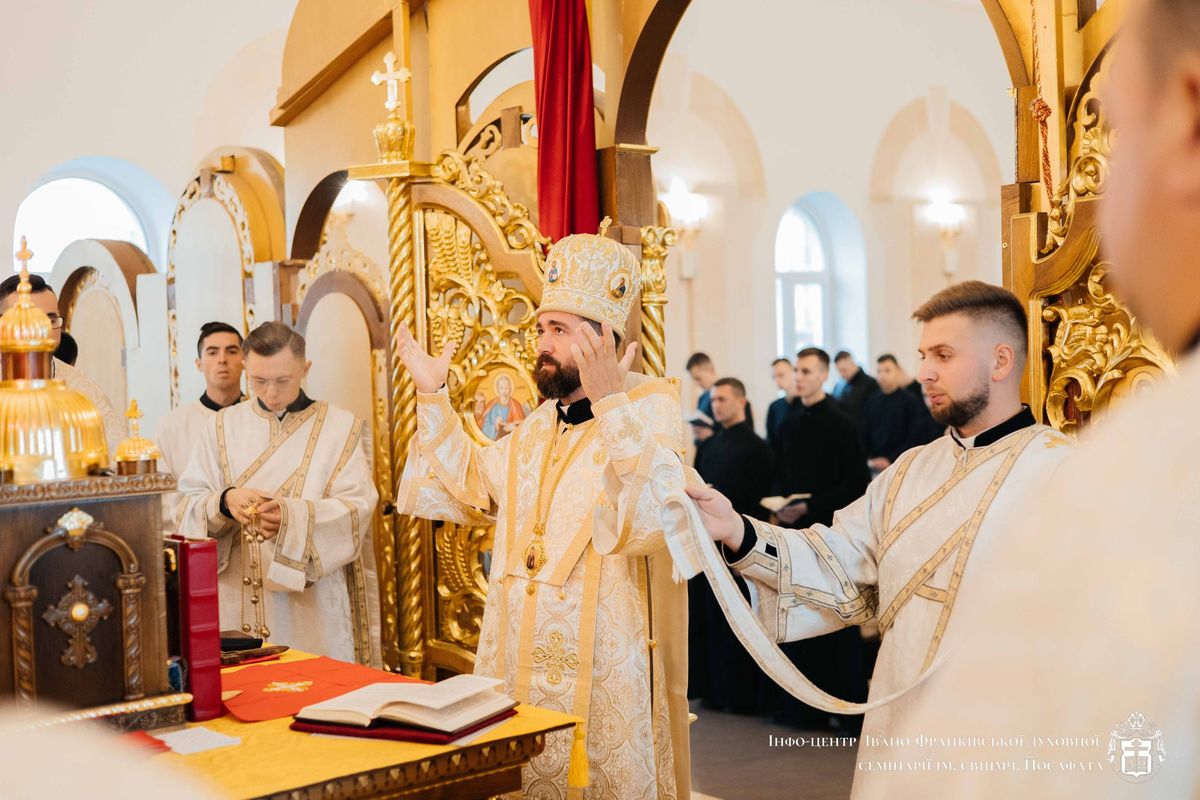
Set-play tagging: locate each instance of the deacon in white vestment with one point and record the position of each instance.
(306, 579)
(900, 554)
(219, 359)
(1083, 637)
(582, 615)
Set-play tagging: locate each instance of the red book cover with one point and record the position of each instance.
(381, 729)
(199, 625)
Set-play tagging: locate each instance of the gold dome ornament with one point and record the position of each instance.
(48, 432)
(136, 455)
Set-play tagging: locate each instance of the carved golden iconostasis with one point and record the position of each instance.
(456, 253)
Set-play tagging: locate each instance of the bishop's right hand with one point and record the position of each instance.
(428, 372)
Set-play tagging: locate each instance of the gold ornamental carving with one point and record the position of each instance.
(73, 530)
(1099, 354)
(77, 613)
(468, 174)
(1091, 145)
(219, 188)
(656, 242)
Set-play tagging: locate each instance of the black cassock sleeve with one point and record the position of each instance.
(849, 463)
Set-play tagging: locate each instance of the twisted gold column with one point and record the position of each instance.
(402, 288)
(656, 241)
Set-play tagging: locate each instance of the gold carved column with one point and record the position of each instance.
(656, 241)
(400, 591)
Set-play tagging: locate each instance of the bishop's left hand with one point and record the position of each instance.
(600, 373)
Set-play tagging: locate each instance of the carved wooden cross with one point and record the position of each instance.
(394, 77)
(77, 614)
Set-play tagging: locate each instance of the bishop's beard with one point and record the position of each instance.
(556, 383)
(959, 413)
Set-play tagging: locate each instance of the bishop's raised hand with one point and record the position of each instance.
(428, 372)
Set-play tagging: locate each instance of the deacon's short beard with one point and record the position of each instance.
(556, 384)
(960, 413)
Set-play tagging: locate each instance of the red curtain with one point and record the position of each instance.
(568, 193)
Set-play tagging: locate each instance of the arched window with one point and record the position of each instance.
(802, 284)
(67, 209)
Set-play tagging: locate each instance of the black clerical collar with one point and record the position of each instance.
(213, 405)
(576, 413)
(296, 406)
(743, 425)
(1019, 421)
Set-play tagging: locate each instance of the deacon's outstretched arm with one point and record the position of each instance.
(642, 432)
(447, 475)
(809, 581)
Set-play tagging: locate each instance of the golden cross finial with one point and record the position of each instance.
(133, 415)
(24, 255)
(393, 77)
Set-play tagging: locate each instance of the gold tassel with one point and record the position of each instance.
(577, 772)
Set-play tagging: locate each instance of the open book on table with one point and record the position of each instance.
(776, 503)
(447, 706)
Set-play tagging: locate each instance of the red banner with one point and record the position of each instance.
(568, 189)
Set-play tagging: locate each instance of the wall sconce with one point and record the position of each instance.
(948, 218)
(687, 210)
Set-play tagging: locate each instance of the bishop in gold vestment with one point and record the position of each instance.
(582, 615)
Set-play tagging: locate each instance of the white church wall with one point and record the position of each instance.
(155, 86)
(816, 84)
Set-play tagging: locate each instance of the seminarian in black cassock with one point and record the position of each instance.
(739, 464)
(821, 454)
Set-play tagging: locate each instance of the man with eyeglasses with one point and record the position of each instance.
(283, 483)
(44, 298)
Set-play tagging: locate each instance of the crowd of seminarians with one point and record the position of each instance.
(827, 446)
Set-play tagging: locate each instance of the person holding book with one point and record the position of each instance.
(740, 464)
(822, 456)
(582, 614)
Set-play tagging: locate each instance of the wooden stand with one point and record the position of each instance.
(83, 623)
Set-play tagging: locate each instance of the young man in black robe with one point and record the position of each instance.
(821, 455)
(894, 416)
(740, 465)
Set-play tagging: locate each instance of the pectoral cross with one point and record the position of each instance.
(394, 77)
(24, 255)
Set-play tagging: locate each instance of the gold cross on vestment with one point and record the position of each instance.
(24, 255)
(393, 77)
(555, 657)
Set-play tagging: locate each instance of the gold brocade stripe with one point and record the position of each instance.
(510, 531)
(284, 527)
(582, 703)
(510, 526)
(525, 648)
(931, 593)
(960, 563)
(222, 450)
(919, 577)
(310, 545)
(309, 449)
(570, 556)
(894, 488)
(360, 620)
(355, 535)
(347, 451)
(929, 502)
(293, 422)
(822, 549)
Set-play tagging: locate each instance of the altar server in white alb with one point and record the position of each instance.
(295, 470)
(901, 553)
(219, 359)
